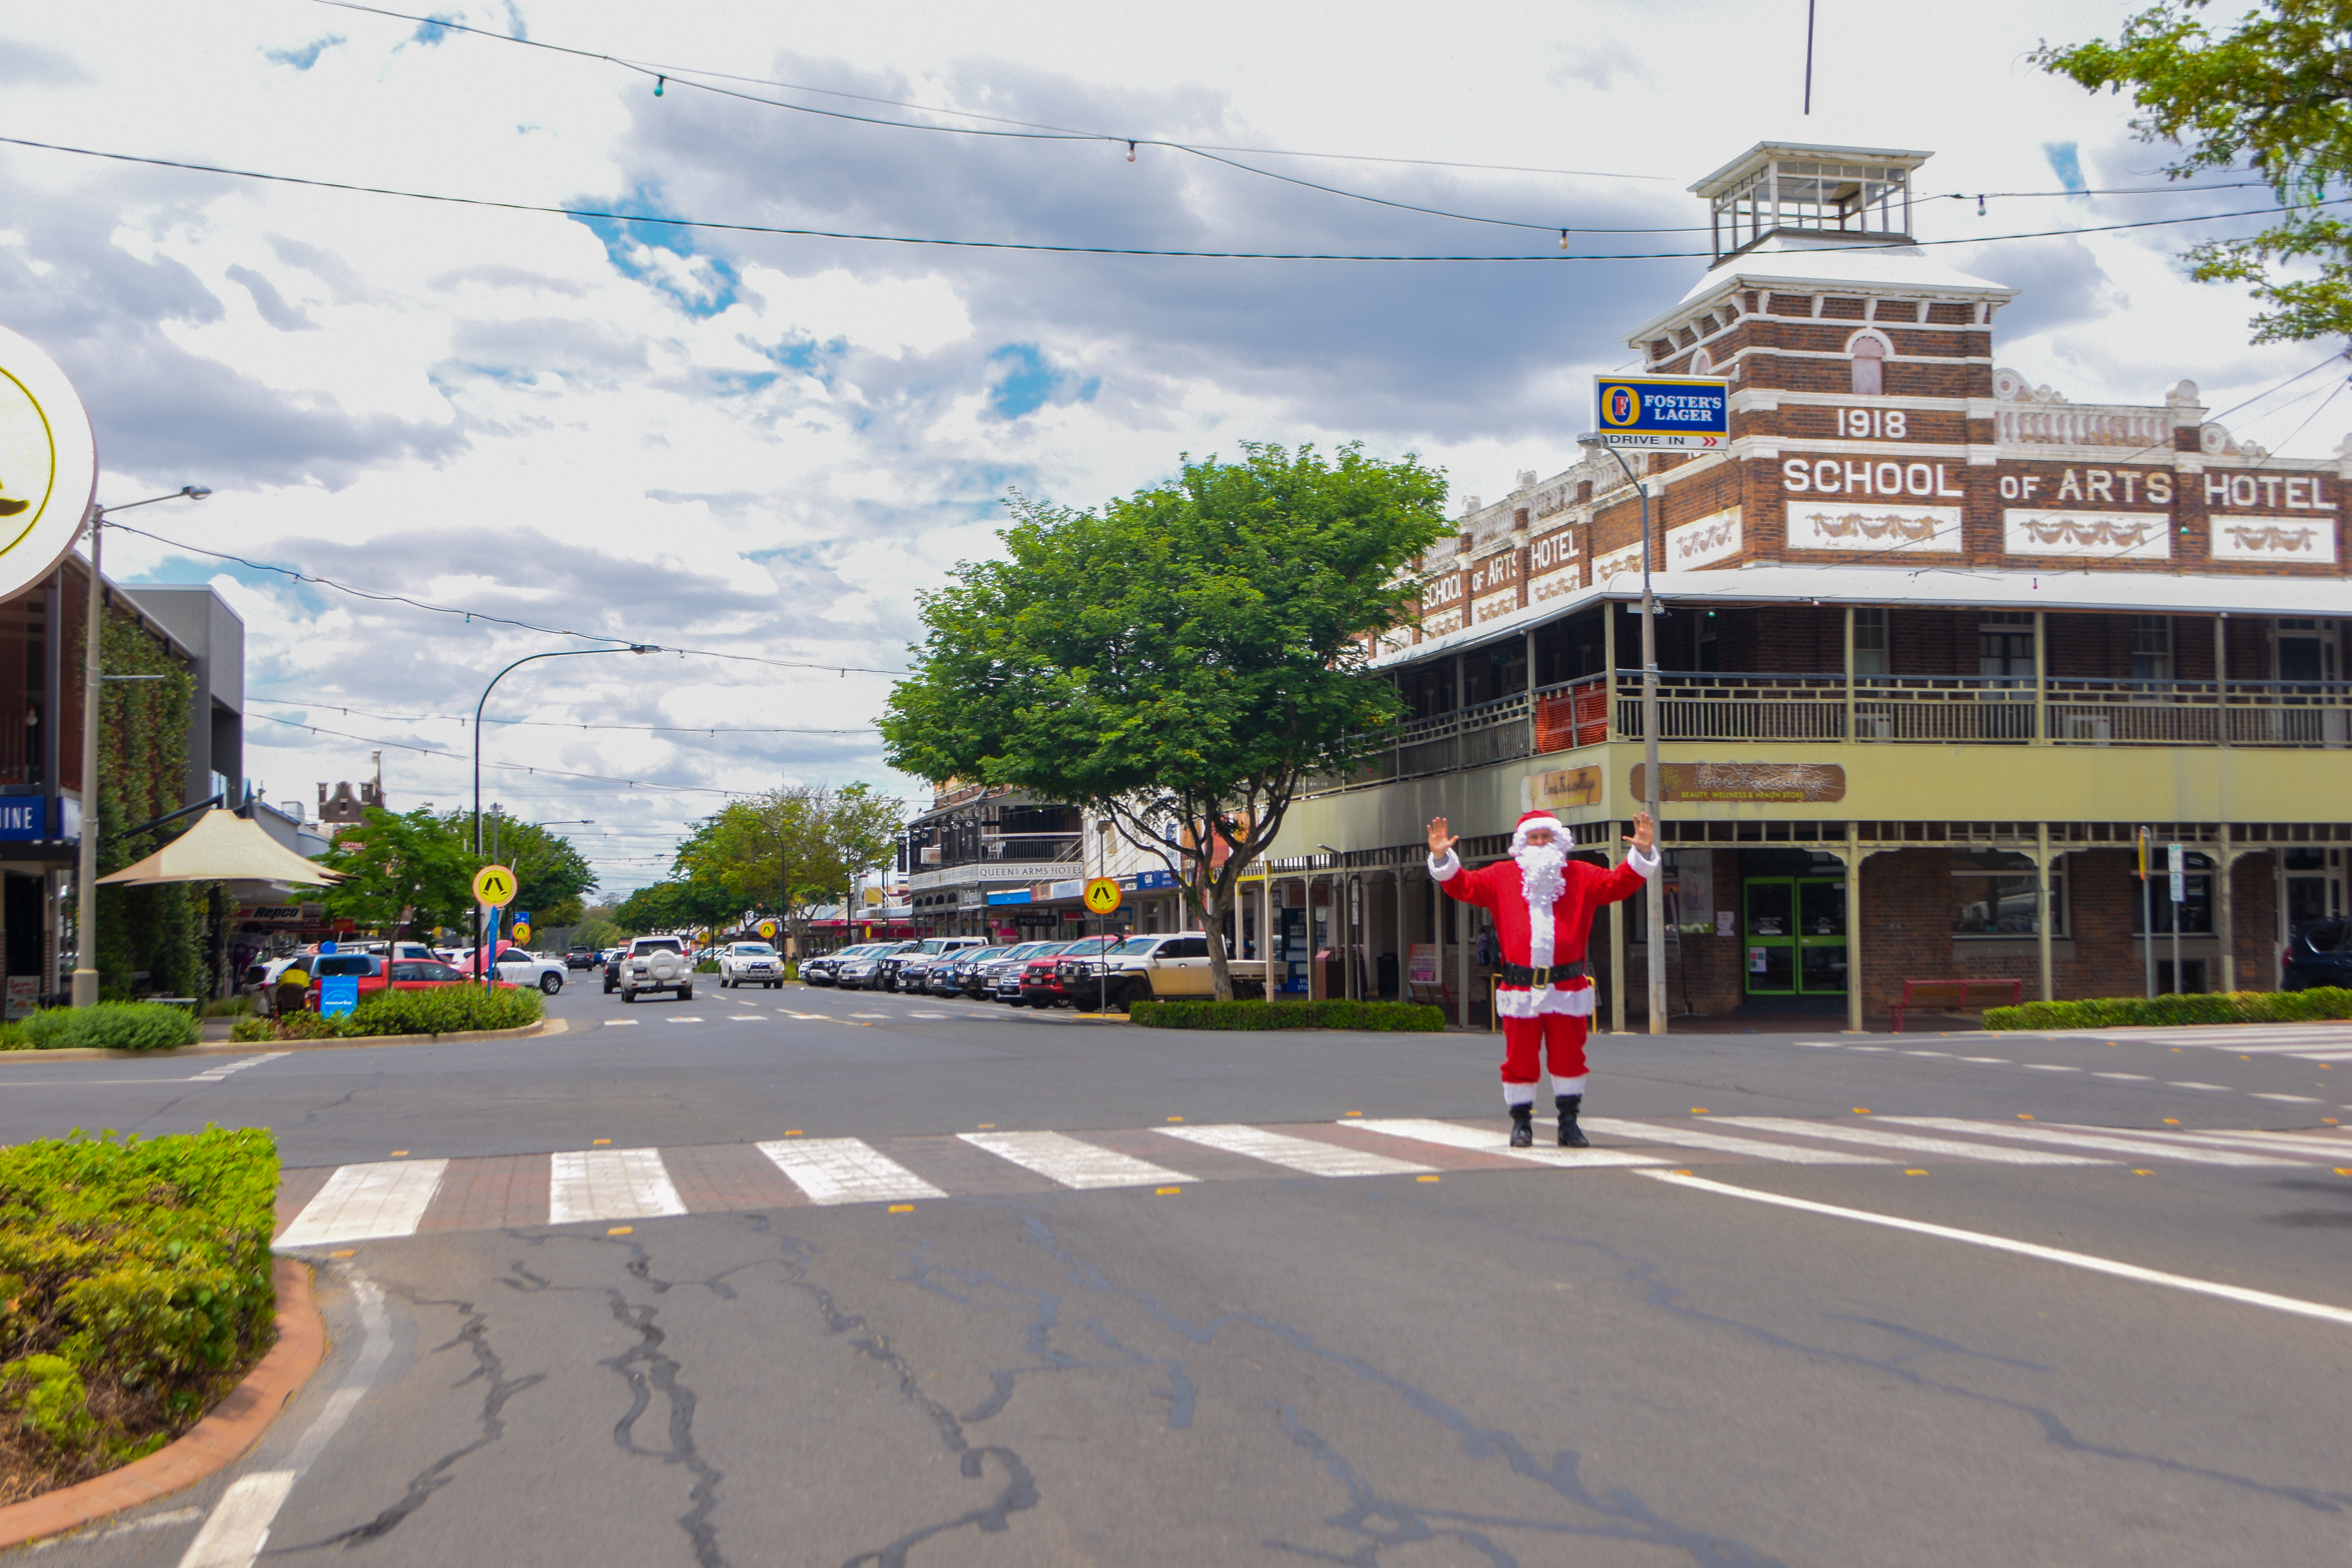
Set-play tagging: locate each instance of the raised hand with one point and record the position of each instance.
(1440, 841)
(1645, 832)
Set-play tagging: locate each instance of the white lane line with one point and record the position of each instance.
(869, 1014)
(1945, 1054)
(2323, 1057)
(622, 1022)
(846, 1171)
(746, 1018)
(2238, 1293)
(2049, 1067)
(2183, 1083)
(213, 1075)
(2105, 1142)
(1842, 1133)
(1880, 1048)
(2289, 1098)
(2124, 1076)
(1293, 1153)
(1822, 1045)
(1061, 1158)
(926, 1014)
(1691, 1138)
(609, 1183)
(2327, 1151)
(688, 1018)
(819, 1017)
(1988, 1061)
(368, 1203)
(1453, 1135)
(239, 1526)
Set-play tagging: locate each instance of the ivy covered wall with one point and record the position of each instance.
(151, 941)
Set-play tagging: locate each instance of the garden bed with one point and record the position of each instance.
(447, 1010)
(1414, 1018)
(110, 1026)
(2318, 1005)
(135, 1291)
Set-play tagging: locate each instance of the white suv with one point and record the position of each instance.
(657, 963)
(750, 963)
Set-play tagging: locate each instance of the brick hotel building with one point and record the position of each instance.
(1935, 642)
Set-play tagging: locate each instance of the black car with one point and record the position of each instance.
(2320, 955)
(578, 957)
(613, 970)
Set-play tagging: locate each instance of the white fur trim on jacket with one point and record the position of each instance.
(1518, 1001)
(1647, 865)
(1446, 869)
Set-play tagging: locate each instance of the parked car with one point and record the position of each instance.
(2319, 954)
(1048, 980)
(657, 963)
(1161, 967)
(517, 967)
(375, 972)
(578, 956)
(819, 971)
(859, 974)
(988, 983)
(1009, 976)
(954, 970)
(750, 963)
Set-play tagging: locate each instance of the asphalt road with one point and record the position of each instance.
(803, 1277)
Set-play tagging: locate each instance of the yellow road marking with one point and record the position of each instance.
(1164, 1192)
(622, 1230)
(400, 1153)
(1424, 1178)
(346, 1252)
(902, 1208)
(1915, 1173)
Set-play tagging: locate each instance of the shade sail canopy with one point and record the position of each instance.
(223, 847)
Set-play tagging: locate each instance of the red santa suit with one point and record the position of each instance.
(1543, 912)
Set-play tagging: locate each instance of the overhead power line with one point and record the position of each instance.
(486, 616)
(527, 768)
(563, 725)
(1040, 247)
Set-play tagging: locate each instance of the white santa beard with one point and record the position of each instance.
(1543, 877)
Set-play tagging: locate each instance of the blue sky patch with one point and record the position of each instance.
(430, 30)
(2066, 164)
(305, 57)
(808, 356)
(1027, 383)
(626, 240)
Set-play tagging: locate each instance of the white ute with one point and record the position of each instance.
(1172, 966)
(656, 963)
(750, 963)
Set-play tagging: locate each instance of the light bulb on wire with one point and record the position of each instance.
(1131, 152)
(659, 82)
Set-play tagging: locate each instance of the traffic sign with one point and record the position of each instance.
(522, 928)
(2175, 859)
(1102, 895)
(48, 464)
(495, 886)
(768, 929)
(1662, 412)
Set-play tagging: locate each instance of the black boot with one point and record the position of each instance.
(1523, 1130)
(1571, 1136)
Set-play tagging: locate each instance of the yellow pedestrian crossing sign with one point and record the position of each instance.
(1102, 895)
(495, 886)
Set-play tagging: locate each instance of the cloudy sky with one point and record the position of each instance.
(766, 446)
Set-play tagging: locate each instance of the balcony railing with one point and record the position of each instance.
(1877, 709)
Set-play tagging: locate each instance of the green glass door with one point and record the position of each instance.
(1793, 937)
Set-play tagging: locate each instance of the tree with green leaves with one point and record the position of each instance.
(787, 850)
(552, 877)
(2271, 90)
(1181, 662)
(410, 871)
(677, 905)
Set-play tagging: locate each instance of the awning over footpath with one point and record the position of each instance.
(223, 847)
(1925, 587)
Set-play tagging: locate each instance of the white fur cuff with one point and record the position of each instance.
(1445, 869)
(1647, 865)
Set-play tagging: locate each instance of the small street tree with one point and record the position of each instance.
(410, 871)
(2272, 88)
(1181, 662)
(792, 848)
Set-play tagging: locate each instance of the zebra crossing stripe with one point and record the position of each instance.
(2324, 1150)
(2105, 1142)
(213, 1075)
(1690, 1137)
(1306, 1155)
(846, 1171)
(368, 1203)
(1453, 1135)
(609, 1183)
(1058, 1157)
(1840, 1132)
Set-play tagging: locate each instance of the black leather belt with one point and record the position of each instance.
(1557, 974)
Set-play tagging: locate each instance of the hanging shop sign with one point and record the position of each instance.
(1662, 411)
(1809, 783)
(48, 465)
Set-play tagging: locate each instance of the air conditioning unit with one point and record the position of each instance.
(2086, 729)
(1874, 726)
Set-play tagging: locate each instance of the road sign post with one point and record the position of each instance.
(1658, 413)
(1102, 895)
(2176, 862)
(494, 889)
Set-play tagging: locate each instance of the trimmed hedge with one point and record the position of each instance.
(442, 1010)
(134, 1291)
(111, 1025)
(1414, 1018)
(2212, 1007)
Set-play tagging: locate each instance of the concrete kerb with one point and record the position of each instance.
(211, 1445)
(247, 1048)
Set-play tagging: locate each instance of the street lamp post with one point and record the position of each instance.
(559, 653)
(85, 974)
(1655, 904)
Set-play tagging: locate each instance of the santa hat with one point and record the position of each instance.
(1535, 819)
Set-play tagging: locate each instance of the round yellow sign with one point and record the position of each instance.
(768, 929)
(48, 464)
(1102, 895)
(495, 886)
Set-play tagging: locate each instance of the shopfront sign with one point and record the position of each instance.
(1731, 783)
(1563, 786)
(1661, 412)
(48, 465)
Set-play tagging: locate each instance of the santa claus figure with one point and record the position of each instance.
(1543, 904)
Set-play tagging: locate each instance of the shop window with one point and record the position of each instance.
(1869, 368)
(2005, 646)
(1710, 647)
(1993, 895)
(1870, 642)
(2151, 647)
(2195, 910)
